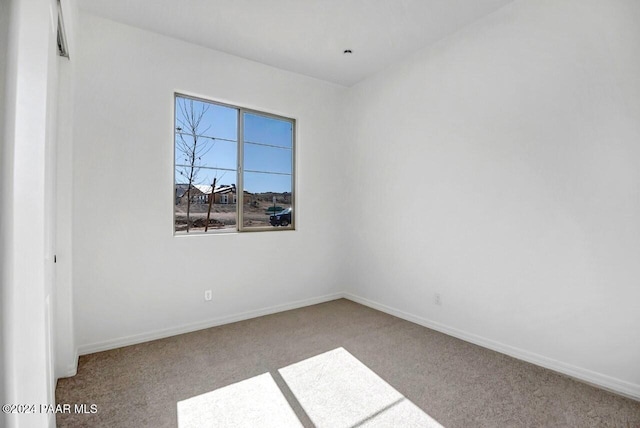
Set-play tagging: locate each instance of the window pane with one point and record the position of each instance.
(268, 130)
(221, 154)
(267, 159)
(268, 168)
(205, 150)
(260, 208)
(222, 122)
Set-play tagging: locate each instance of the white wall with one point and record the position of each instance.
(132, 278)
(66, 353)
(499, 168)
(27, 210)
(4, 30)
(496, 168)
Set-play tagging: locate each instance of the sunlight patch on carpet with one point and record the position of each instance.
(255, 402)
(337, 390)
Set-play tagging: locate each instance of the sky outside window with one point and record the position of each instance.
(268, 148)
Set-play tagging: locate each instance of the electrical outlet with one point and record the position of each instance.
(208, 295)
(437, 299)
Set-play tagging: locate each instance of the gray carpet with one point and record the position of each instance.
(456, 383)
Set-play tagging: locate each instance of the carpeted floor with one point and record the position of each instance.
(456, 383)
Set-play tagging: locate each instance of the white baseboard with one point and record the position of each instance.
(597, 379)
(188, 328)
(72, 369)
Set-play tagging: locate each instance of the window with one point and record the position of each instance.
(234, 168)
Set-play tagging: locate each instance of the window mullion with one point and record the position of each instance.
(240, 179)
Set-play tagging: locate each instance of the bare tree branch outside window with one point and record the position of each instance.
(190, 145)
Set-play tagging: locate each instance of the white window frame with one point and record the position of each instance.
(238, 198)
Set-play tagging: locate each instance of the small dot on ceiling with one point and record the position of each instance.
(347, 51)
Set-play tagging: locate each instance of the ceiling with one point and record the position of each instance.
(304, 36)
